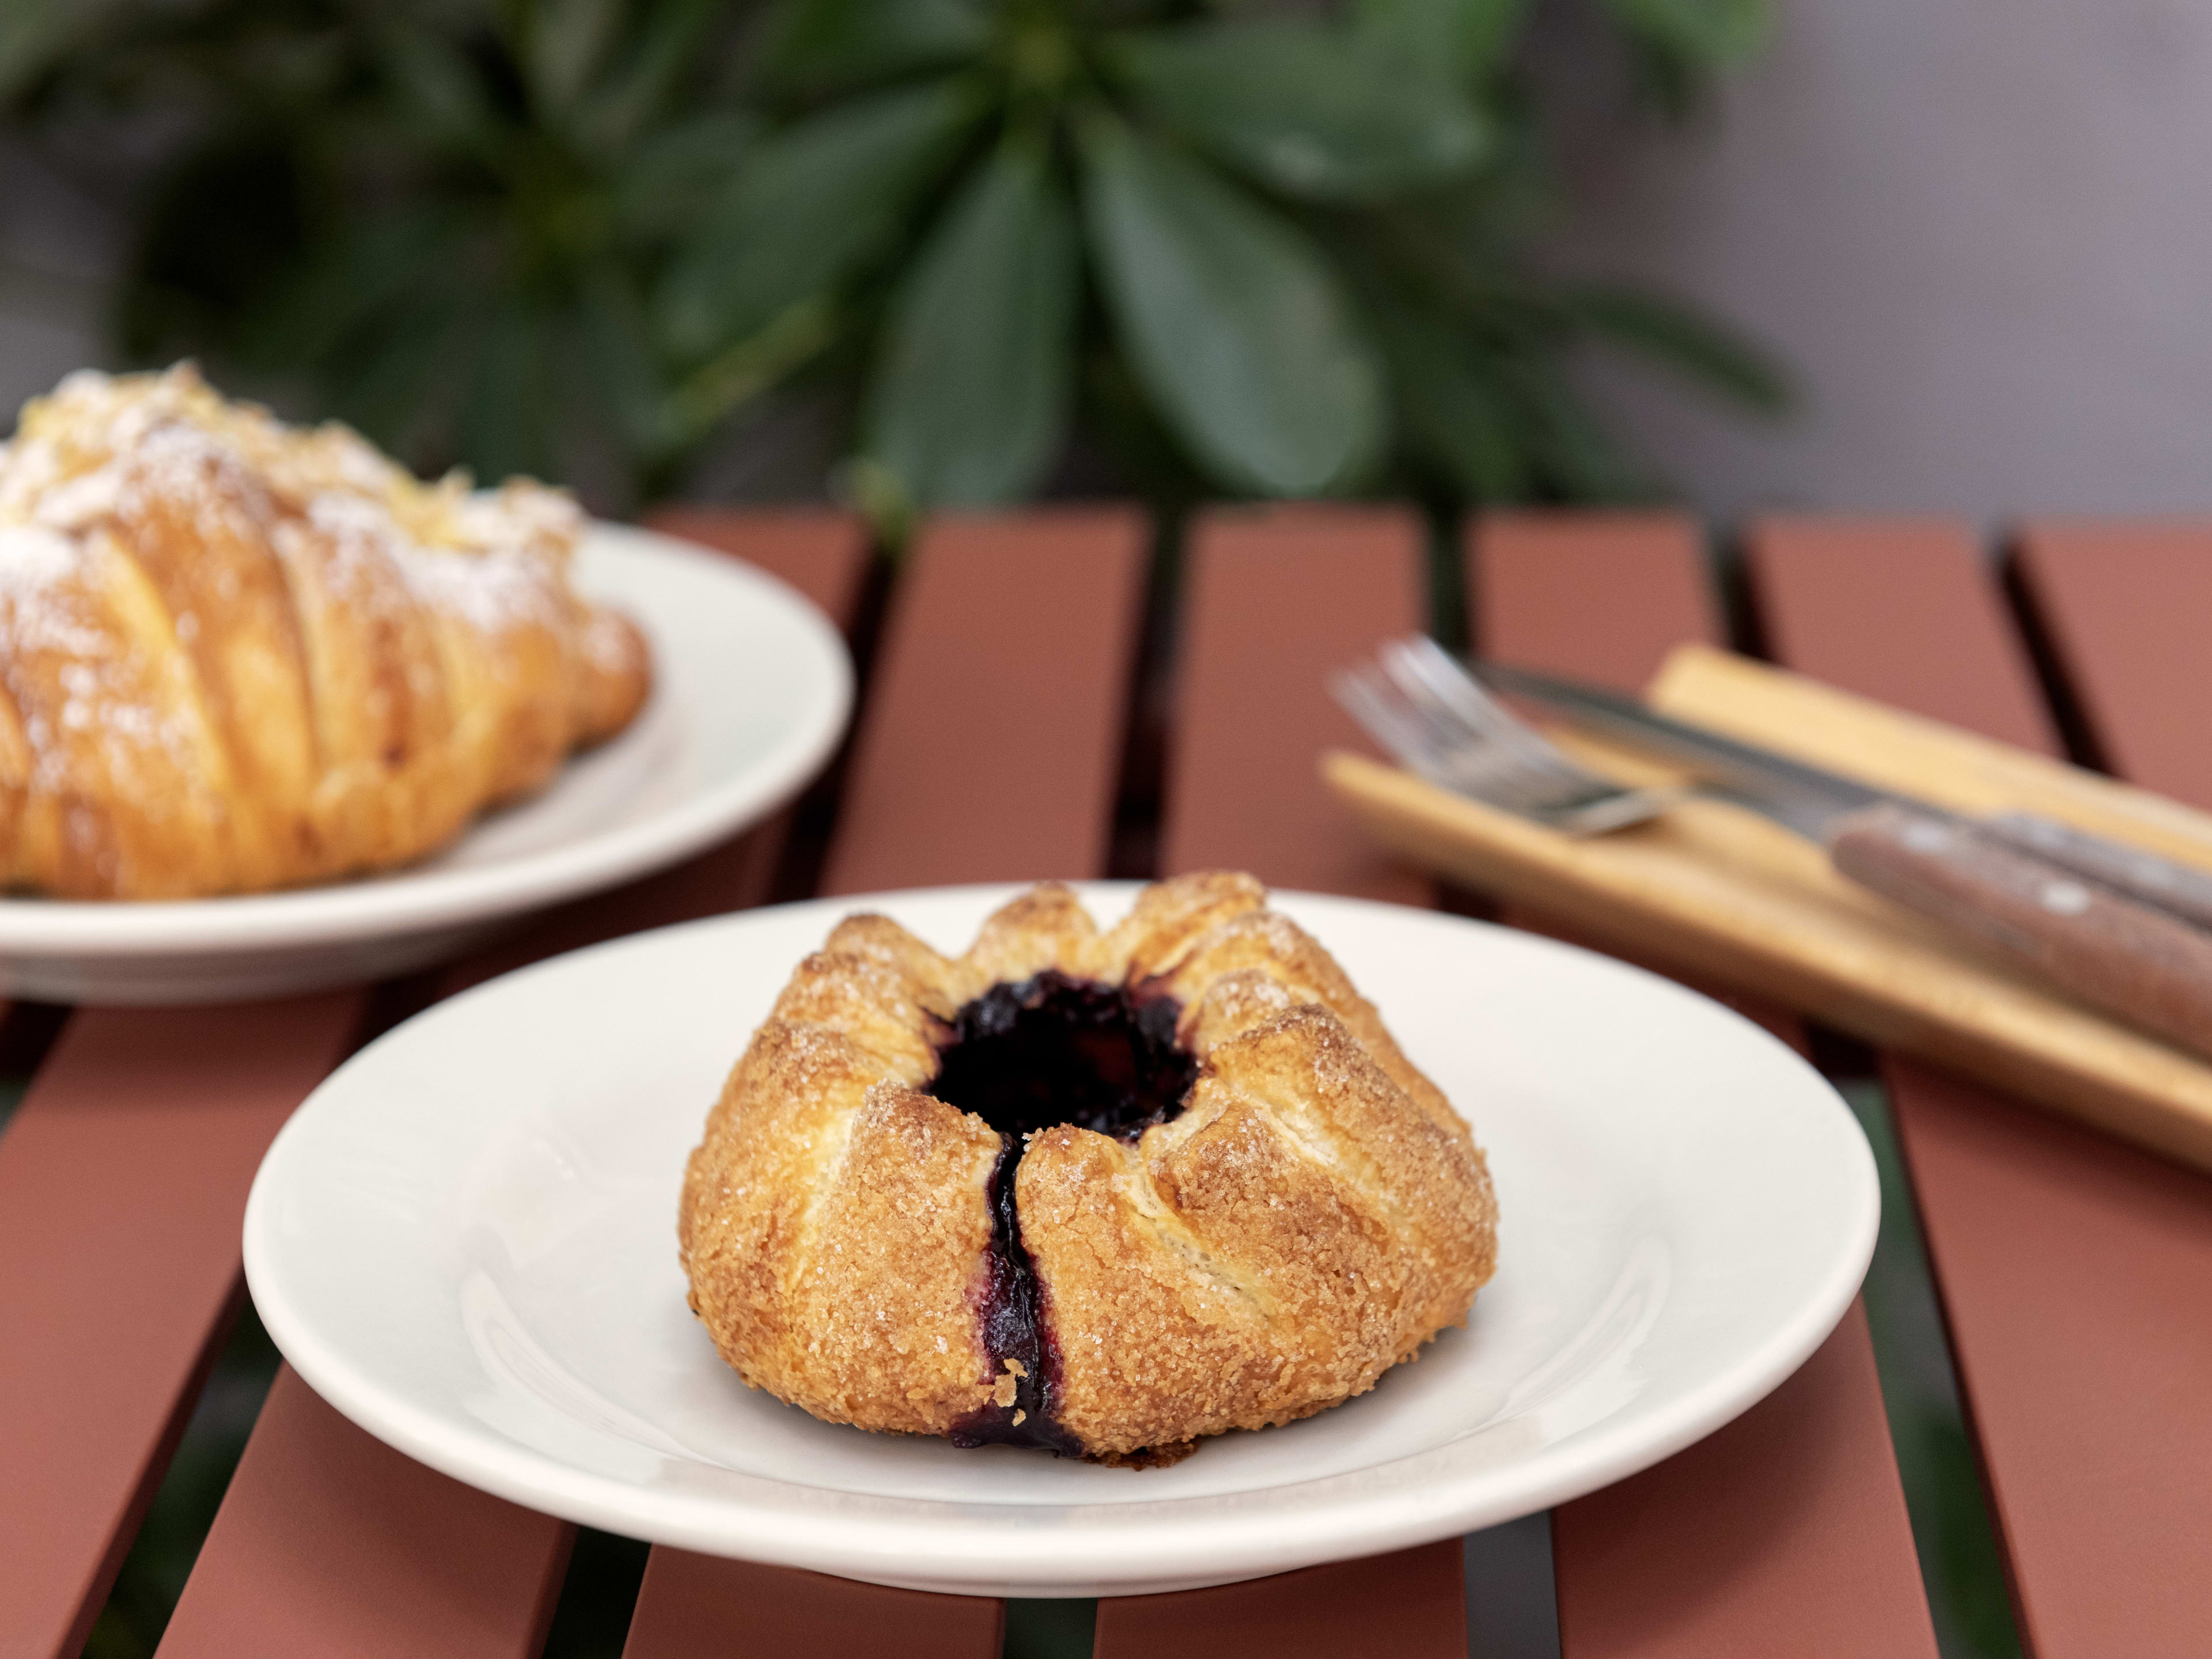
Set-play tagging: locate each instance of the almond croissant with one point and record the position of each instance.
(235, 655)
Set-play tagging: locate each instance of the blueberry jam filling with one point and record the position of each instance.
(1053, 1050)
(1020, 1348)
(1024, 1057)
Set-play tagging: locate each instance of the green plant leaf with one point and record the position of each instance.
(1455, 411)
(375, 266)
(1232, 320)
(809, 204)
(400, 390)
(1333, 114)
(969, 400)
(643, 82)
(738, 373)
(1572, 455)
(440, 99)
(626, 377)
(676, 174)
(1709, 34)
(1678, 335)
(1466, 38)
(562, 45)
(35, 35)
(505, 416)
(811, 47)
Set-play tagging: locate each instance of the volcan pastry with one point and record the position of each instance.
(1102, 1193)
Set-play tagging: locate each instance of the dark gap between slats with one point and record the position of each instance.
(806, 849)
(28, 1030)
(395, 1001)
(1133, 848)
(1742, 620)
(1450, 601)
(598, 1592)
(1453, 624)
(1050, 1630)
(225, 1400)
(1451, 606)
(2067, 712)
(1961, 1568)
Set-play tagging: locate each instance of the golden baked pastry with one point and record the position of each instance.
(1102, 1193)
(236, 655)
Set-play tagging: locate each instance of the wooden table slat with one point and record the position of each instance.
(1783, 1532)
(823, 551)
(697, 1607)
(122, 1178)
(1602, 595)
(2070, 1266)
(331, 1545)
(1403, 1606)
(990, 748)
(998, 694)
(313, 1549)
(1791, 1517)
(1903, 610)
(2123, 606)
(1273, 599)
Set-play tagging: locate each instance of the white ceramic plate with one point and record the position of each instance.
(465, 1242)
(751, 688)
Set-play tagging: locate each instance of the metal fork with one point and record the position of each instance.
(1425, 708)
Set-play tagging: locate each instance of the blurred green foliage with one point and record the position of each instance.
(1265, 251)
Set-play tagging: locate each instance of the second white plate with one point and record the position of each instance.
(752, 686)
(465, 1242)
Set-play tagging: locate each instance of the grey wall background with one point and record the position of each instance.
(1981, 230)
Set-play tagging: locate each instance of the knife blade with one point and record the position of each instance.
(1767, 779)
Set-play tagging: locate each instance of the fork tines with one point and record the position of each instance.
(1423, 706)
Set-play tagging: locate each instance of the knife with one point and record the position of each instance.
(1994, 880)
(2142, 876)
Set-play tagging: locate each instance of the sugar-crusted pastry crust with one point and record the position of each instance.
(1313, 1214)
(236, 655)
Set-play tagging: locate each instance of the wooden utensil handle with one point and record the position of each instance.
(2146, 878)
(2139, 965)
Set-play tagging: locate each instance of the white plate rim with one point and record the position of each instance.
(419, 901)
(908, 1542)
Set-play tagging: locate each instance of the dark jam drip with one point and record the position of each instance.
(1014, 1330)
(1024, 1057)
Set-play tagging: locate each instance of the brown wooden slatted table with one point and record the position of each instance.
(991, 745)
(2067, 1261)
(1792, 1514)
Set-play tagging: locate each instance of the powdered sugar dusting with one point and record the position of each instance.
(101, 447)
(32, 559)
(102, 457)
